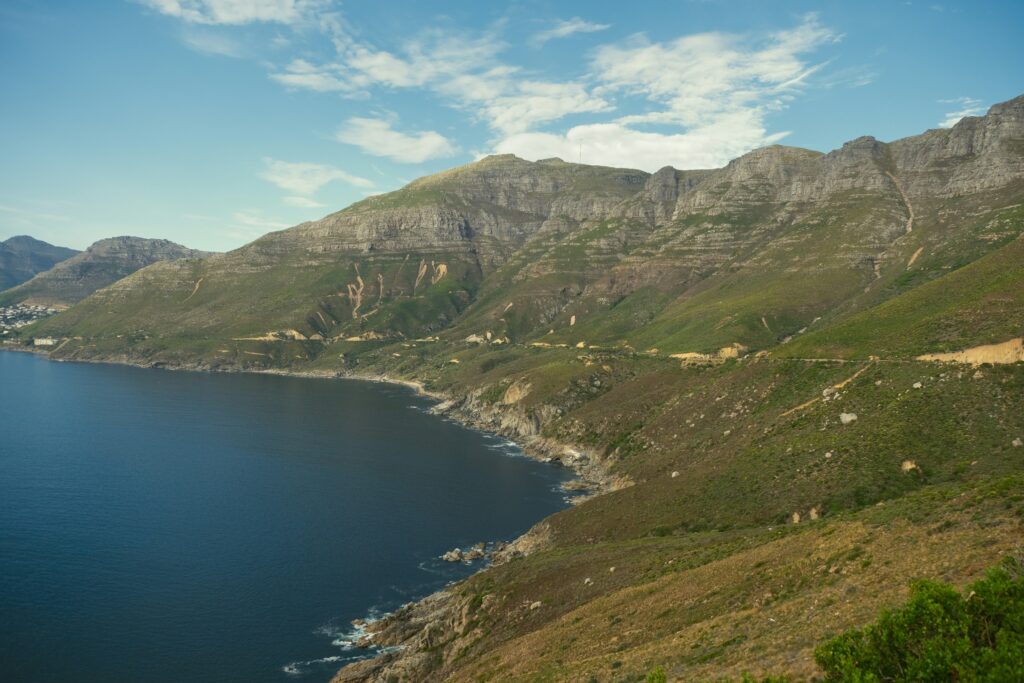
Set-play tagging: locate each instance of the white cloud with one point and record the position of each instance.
(302, 180)
(968, 106)
(377, 137)
(712, 90)
(615, 144)
(434, 59)
(303, 75)
(704, 74)
(566, 28)
(523, 105)
(233, 11)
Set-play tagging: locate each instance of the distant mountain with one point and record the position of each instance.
(22, 257)
(102, 264)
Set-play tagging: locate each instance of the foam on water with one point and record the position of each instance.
(311, 665)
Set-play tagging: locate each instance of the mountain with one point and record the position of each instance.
(103, 263)
(780, 240)
(792, 380)
(22, 257)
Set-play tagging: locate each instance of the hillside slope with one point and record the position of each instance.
(22, 257)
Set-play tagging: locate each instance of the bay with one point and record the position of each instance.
(168, 526)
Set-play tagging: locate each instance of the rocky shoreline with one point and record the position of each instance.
(408, 638)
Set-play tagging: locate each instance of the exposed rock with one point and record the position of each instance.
(516, 392)
(847, 418)
(454, 555)
(1011, 351)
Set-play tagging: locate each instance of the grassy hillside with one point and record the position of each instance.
(981, 303)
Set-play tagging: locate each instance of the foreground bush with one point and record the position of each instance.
(939, 635)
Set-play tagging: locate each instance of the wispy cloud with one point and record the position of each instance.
(234, 12)
(29, 215)
(566, 28)
(968, 106)
(255, 219)
(302, 180)
(210, 43)
(302, 75)
(303, 202)
(377, 137)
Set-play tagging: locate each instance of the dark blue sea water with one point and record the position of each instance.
(172, 526)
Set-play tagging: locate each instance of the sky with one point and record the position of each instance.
(212, 122)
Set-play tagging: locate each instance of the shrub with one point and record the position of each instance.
(939, 634)
(657, 676)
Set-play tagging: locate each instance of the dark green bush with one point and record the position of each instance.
(939, 635)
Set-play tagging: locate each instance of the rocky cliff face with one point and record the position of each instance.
(486, 209)
(22, 257)
(686, 261)
(102, 264)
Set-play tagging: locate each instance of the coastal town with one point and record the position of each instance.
(19, 315)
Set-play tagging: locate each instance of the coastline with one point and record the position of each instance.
(400, 635)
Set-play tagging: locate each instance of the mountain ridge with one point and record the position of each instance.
(587, 236)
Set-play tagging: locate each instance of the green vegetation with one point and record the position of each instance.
(657, 676)
(939, 634)
(981, 303)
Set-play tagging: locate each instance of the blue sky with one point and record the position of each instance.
(211, 122)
